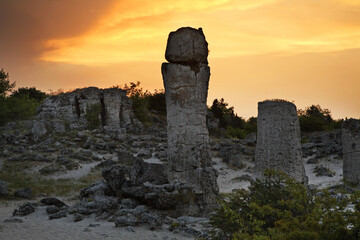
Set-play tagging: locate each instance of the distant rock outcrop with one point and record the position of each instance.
(278, 140)
(186, 80)
(351, 150)
(69, 110)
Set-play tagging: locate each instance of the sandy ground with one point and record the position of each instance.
(334, 164)
(36, 226)
(227, 175)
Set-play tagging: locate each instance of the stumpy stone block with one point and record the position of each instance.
(187, 45)
(186, 80)
(278, 140)
(351, 150)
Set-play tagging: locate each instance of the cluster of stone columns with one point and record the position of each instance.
(186, 80)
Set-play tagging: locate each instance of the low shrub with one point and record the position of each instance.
(278, 207)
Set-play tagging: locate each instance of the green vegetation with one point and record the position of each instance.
(144, 102)
(93, 115)
(18, 177)
(278, 207)
(314, 118)
(235, 126)
(21, 104)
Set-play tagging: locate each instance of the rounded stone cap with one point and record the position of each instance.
(277, 104)
(187, 45)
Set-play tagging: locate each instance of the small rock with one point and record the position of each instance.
(126, 220)
(3, 189)
(13, 220)
(24, 209)
(130, 229)
(24, 193)
(57, 215)
(53, 201)
(78, 217)
(52, 209)
(93, 225)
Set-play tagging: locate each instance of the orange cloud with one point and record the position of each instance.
(137, 30)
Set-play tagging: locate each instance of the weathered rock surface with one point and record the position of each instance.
(186, 80)
(351, 150)
(24, 209)
(53, 201)
(3, 189)
(68, 110)
(278, 140)
(187, 45)
(24, 193)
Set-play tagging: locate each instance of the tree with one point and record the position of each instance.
(5, 85)
(32, 93)
(315, 118)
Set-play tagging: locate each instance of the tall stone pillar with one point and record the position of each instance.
(351, 150)
(278, 140)
(186, 80)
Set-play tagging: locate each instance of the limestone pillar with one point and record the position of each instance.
(186, 79)
(278, 140)
(351, 150)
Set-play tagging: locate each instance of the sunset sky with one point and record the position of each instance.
(306, 51)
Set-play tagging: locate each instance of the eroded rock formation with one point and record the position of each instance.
(186, 80)
(351, 150)
(69, 110)
(278, 140)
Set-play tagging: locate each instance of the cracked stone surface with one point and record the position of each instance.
(278, 140)
(186, 80)
(187, 45)
(72, 107)
(351, 150)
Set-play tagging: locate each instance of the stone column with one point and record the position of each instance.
(351, 150)
(278, 140)
(186, 80)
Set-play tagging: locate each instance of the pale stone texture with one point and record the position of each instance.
(187, 45)
(71, 107)
(278, 140)
(186, 81)
(351, 150)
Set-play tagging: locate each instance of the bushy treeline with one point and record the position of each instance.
(279, 208)
(20, 104)
(235, 126)
(314, 118)
(144, 102)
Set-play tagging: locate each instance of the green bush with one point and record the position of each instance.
(314, 118)
(278, 207)
(235, 132)
(93, 115)
(236, 127)
(31, 93)
(157, 101)
(17, 108)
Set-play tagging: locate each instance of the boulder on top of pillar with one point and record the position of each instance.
(187, 45)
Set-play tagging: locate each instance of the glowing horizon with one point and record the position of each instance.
(300, 50)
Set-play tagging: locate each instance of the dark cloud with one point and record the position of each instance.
(25, 24)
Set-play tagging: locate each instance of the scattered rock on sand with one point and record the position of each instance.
(24, 193)
(53, 201)
(24, 209)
